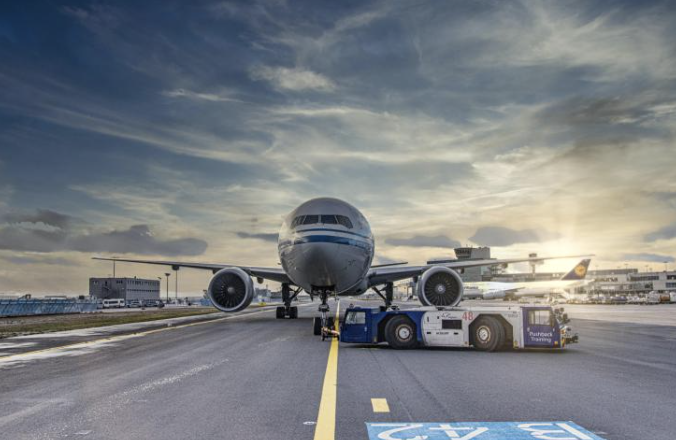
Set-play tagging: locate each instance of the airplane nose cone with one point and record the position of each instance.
(319, 263)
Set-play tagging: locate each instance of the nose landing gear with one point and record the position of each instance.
(324, 326)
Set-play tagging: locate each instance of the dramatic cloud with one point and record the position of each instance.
(665, 233)
(501, 236)
(272, 237)
(551, 121)
(438, 241)
(137, 239)
(655, 258)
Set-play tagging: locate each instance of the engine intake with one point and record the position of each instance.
(231, 289)
(440, 286)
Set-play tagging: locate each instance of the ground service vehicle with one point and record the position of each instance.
(113, 303)
(485, 328)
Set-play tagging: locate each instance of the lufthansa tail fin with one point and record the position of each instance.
(579, 272)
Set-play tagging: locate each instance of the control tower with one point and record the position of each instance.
(474, 253)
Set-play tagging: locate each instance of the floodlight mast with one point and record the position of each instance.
(167, 274)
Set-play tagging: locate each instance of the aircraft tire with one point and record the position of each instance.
(279, 313)
(317, 324)
(293, 312)
(487, 334)
(330, 322)
(400, 333)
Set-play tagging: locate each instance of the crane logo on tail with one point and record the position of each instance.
(580, 270)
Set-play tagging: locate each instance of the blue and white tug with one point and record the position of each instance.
(485, 327)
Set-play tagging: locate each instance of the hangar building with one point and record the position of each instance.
(124, 288)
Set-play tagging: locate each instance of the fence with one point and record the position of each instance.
(29, 307)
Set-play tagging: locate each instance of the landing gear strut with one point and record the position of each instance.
(287, 296)
(389, 295)
(324, 325)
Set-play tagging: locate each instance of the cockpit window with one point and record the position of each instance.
(311, 219)
(297, 221)
(325, 219)
(345, 221)
(329, 219)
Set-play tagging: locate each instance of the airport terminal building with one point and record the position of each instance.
(125, 288)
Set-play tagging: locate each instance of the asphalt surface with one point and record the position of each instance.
(255, 377)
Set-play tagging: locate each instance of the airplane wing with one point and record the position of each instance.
(269, 273)
(378, 276)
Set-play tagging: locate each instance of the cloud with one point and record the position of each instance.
(137, 239)
(58, 261)
(213, 97)
(501, 236)
(21, 235)
(656, 258)
(44, 216)
(665, 233)
(296, 79)
(260, 236)
(438, 241)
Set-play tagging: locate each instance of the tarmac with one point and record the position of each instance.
(251, 376)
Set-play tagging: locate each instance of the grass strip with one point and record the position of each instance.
(26, 325)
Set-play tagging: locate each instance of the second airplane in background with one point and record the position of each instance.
(529, 289)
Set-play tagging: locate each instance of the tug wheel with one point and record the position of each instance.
(400, 333)
(487, 334)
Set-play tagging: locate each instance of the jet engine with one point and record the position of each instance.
(231, 289)
(440, 286)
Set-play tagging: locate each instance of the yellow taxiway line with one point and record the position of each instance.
(380, 405)
(326, 419)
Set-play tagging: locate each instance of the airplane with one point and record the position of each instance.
(512, 291)
(326, 248)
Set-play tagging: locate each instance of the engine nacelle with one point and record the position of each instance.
(231, 289)
(440, 286)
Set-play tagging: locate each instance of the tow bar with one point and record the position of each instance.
(329, 333)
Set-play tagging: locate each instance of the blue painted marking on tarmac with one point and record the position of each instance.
(479, 431)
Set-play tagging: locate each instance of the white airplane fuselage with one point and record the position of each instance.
(326, 243)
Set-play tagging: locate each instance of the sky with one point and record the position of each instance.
(188, 130)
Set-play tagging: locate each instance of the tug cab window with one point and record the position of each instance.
(355, 318)
(540, 317)
(345, 221)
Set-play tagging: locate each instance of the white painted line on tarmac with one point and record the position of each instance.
(483, 430)
(80, 348)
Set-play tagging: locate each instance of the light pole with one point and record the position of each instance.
(176, 281)
(167, 275)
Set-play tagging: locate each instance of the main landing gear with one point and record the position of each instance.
(387, 297)
(324, 326)
(287, 311)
